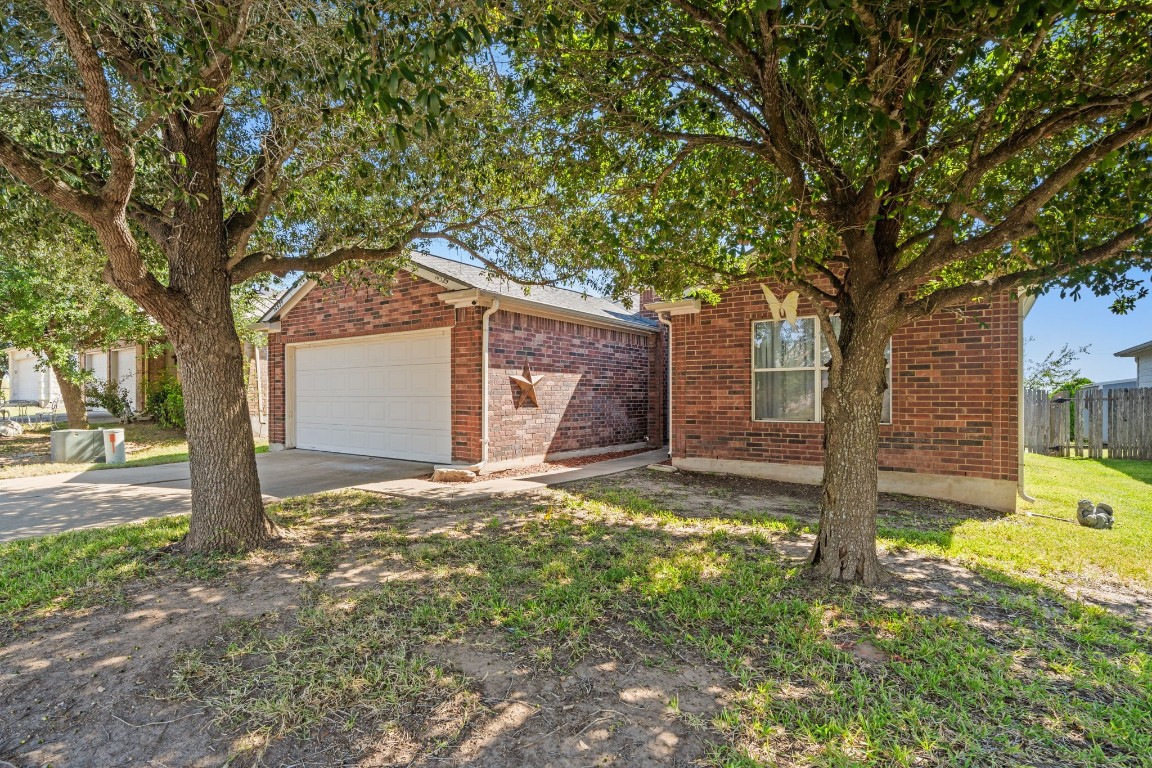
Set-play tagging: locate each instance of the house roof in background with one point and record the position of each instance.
(1111, 383)
(1136, 350)
(459, 275)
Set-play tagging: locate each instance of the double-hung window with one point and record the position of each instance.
(790, 370)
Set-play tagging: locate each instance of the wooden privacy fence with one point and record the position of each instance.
(1065, 427)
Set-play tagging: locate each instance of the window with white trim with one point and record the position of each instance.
(790, 370)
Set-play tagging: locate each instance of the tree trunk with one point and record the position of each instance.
(227, 506)
(845, 548)
(73, 396)
(195, 309)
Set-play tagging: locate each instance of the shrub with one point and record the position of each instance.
(110, 396)
(166, 402)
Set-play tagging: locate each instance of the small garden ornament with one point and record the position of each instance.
(1094, 516)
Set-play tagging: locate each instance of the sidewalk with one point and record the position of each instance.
(484, 489)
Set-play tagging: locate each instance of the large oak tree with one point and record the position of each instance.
(890, 160)
(237, 138)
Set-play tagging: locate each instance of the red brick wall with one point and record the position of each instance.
(342, 311)
(954, 392)
(595, 390)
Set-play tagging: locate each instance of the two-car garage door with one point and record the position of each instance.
(384, 396)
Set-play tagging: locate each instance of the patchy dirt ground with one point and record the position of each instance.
(695, 494)
(87, 687)
(96, 687)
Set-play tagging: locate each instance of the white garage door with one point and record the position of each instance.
(386, 396)
(126, 373)
(26, 380)
(97, 363)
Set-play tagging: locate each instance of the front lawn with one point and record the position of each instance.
(146, 444)
(1041, 546)
(562, 629)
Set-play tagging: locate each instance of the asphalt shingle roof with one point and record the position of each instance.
(545, 295)
(568, 301)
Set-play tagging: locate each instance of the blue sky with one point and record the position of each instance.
(1054, 322)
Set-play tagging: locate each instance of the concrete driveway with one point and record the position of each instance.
(36, 506)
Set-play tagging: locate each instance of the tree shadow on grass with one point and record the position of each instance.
(567, 629)
(789, 507)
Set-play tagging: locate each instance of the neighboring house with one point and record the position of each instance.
(1106, 387)
(28, 379)
(745, 397)
(425, 370)
(1143, 355)
(133, 366)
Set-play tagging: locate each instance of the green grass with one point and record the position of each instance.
(1014, 675)
(1011, 674)
(1040, 546)
(147, 443)
(66, 568)
(340, 664)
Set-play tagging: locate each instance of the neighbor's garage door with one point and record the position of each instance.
(385, 396)
(25, 380)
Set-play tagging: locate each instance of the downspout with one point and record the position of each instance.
(261, 414)
(666, 321)
(484, 385)
(1025, 306)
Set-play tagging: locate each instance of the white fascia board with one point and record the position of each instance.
(435, 277)
(288, 300)
(468, 297)
(673, 308)
(301, 289)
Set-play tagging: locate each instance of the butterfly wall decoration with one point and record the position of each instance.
(782, 309)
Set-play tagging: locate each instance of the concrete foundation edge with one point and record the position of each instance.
(540, 458)
(979, 491)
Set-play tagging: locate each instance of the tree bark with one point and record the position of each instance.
(845, 548)
(195, 309)
(73, 396)
(227, 506)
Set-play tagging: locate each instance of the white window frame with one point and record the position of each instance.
(817, 370)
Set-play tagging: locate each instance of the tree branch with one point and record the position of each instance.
(20, 163)
(98, 104)
(980, 289)
(1020, 219)
(262, 262)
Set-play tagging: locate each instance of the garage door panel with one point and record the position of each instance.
(25, 380)
(381, 397)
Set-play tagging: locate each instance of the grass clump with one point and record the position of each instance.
(341, 663)
(61, 569)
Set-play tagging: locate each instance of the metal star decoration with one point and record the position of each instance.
(527, 383)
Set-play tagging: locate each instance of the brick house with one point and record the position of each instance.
(745, 396)
(425, 370)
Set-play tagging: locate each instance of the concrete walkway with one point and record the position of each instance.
(36, 506)
(453, 492)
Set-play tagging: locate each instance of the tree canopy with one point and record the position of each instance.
(888, 160)
(207, 143)
(950, 142)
